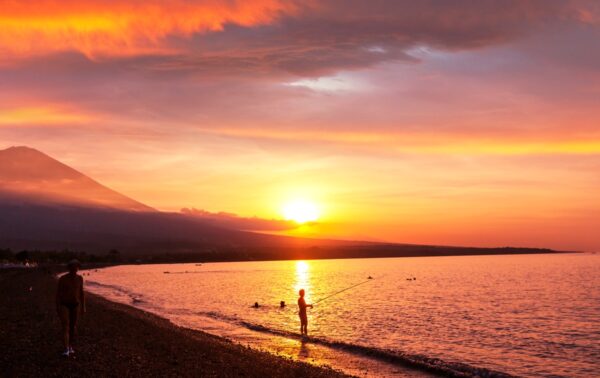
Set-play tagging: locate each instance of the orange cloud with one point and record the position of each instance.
(40, 115)
(429, 143)
(98, 28)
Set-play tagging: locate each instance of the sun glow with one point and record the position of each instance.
(301, 211)
(303, 278)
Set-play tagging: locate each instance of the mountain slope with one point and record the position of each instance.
(28, 176)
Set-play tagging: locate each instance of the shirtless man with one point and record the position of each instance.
(70, 301)
(302, 306)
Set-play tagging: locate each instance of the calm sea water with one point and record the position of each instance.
(528, 315)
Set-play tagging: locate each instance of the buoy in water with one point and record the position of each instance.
(255, 305)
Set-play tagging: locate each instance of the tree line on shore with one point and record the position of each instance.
(57, 256)
(114, 256)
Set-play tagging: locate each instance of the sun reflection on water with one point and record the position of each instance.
(303, 279)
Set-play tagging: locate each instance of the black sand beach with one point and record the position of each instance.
(117, 340)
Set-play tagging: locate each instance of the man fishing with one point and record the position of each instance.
(70, 301)
(302, 306)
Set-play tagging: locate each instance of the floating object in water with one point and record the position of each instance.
(166, 272)
(370, 278)
(282, 304)
(256, 305)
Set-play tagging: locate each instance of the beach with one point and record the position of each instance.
(117, 340)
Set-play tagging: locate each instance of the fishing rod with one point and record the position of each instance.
(341, 291)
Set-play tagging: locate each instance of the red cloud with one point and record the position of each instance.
(116, 28)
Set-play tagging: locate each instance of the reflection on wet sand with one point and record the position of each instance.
(303, 351)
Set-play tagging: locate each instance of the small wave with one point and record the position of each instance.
(218, 316)
(418, 361)
(198, 271)
(134, 297)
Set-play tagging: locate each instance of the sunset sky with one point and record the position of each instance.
(438, 122)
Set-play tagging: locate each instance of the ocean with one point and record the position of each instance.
(523, 315)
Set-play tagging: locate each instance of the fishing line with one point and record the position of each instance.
(341, 291)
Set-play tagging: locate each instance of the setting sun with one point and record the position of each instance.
(301, 211)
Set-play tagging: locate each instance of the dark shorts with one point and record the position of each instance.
(69, 316)
(303, 318)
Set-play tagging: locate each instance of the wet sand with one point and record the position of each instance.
(117, 340)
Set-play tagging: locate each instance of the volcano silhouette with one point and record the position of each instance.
(29, 176)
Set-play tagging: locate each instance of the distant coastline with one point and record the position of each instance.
(114, 257)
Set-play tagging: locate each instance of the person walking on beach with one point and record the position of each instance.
(70, 302)
(302, 306)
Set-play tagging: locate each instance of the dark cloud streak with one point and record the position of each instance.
(344, 35)
(233, 221)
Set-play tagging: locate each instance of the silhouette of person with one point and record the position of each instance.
(70, 302)
(302, 306)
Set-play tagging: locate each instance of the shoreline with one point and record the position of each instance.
(86, 265)
(118, 340)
